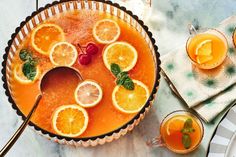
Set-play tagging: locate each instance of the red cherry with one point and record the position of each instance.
(91, 48)
(84, 59)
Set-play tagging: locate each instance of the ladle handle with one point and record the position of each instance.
(20, 130)
(37, 5)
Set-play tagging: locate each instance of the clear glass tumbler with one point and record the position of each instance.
(180, 131)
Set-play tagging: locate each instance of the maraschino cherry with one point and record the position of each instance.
(85, 59)
(86, 56)
(91, 48)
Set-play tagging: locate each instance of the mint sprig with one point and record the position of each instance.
(29, 67)
(188, 126)
(186, 131)
(122, 77)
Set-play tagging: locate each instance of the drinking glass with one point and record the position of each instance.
(173, 144)
(219, 46)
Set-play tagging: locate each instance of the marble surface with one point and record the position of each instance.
(168, 23)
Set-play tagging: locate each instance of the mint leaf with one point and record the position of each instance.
(25, 55)
(188, 123)
(29, 70)
(115, 69)
(128, 84)
(186, 140)
(121, 77)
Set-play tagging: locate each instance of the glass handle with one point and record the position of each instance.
(156, 142)
(192, 30)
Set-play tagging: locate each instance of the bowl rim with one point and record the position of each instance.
(84, 139)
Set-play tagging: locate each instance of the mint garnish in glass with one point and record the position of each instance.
(186, 131)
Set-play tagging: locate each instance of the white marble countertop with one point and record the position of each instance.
(168, 24)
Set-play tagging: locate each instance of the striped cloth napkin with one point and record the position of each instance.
(208, 92)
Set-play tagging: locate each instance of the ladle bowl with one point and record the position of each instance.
(43, 85)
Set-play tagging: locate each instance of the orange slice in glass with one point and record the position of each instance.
(44, 36)
(204, 59)
(106, 31)
(204, 49)
(204, 52)
(175, 125)
(21, 78)
(63, 54)
(70, 120)
(88, 93)
(130, 101)
(121, 53)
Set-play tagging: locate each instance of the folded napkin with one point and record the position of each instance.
(208, 92)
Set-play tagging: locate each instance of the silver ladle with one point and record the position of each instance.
(42, 86)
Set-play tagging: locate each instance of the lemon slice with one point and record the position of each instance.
(106, 31)
(88, 93)
(121, 53)
(44, 36)
(204, 59)
(130, 101)
(63, 54)
(70, 120)
(204, 48)
(21, 78)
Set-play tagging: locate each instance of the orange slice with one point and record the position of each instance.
(106, 31)
(204, 48)
(44, 36)
(63, 54)
(175, 125)
(88, 93)
(130, 101)
(21, 78)
(70, 120)
(204, 59)
(121, 53)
